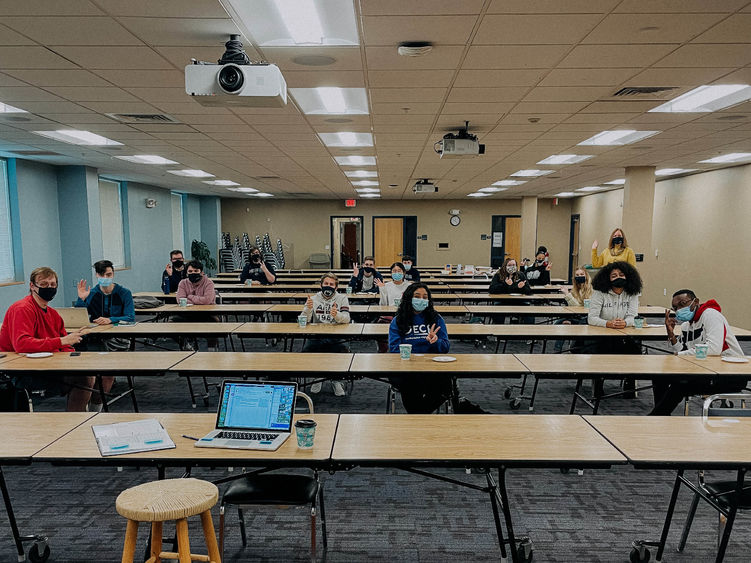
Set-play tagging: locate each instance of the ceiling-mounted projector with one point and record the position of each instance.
(424, 186)
(459, 145)
(235, 81)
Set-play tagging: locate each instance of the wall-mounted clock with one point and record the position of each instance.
(455, 220)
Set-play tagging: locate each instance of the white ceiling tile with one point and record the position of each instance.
(501, 94)
(551, 6)
(404, 78)
(587, 76)
(420, 7)
(677, 76)
(381, 95)
(7, 80)
(10, 37)
(615, 56)
(314, 79)
(79, 78)
(401, 108)
(164, 8)
(495, 108)
(92, 94)
(387, 58)
(99, 30)
(181, 31)
(111, 106)
(345, 58)
(567, 94)
(392, 30)
(695, 55)
(27, 93)
(498, 78)
(46, 108)
(512, 56)
(651, 28)
(115, 58)
(548, 107)
(159, 95)
(31, 57)
(49, 7)
(679, 6)
(513, 29)
(143, 78)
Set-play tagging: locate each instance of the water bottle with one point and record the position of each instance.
(165, 285)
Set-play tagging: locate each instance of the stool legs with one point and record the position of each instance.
(209, 535)
(131, 535)
(183, 543)
(156, 541)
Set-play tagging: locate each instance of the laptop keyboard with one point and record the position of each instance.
(246, 435)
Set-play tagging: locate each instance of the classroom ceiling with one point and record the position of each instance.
(533, 77)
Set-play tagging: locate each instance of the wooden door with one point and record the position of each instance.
(512, 246)
(388, 240)
(573, 262)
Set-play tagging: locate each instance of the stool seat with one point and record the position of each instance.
(168, 499)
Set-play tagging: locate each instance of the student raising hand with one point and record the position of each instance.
(432, 336)
(355, 270)
(309, 302)
(83, 291)
(550, 265)
(509, 281)
(379, 282)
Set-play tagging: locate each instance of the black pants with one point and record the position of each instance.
(617, 345)
(422, 394)
(669, 395)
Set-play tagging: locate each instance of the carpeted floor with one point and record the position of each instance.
(380, 514)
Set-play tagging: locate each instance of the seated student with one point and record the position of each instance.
(198, 289)
(417, 323)
(363, 279)
(538, 273)
(581, 289)
(31, 325)
(508, 279)
(701, 323)
(327, 306)
(174, 272)
(395, 288)
(258, 271)
(614, 304)
(411, 273)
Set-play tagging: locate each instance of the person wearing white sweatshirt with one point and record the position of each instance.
(390, 291)
(327, 306)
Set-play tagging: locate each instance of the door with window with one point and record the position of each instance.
(506, 240)
(393, 237)
(573, 261)
(346, 241)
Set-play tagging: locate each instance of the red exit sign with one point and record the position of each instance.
(350, 202)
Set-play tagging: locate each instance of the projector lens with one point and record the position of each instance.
(231, 79)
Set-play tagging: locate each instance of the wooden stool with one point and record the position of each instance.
(169, 499)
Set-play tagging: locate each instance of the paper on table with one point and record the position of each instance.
(131, 437)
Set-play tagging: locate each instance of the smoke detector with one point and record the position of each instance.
(414, 48)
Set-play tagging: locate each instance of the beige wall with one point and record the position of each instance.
(701, 231)
(553, 226)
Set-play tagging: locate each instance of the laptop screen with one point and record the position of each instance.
(257, 406)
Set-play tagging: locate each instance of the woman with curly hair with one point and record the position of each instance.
(618, 250)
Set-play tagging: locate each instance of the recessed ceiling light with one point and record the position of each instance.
(618, 182)
(565, 158)
(76, 137)
(361, 173)
(673, 171)
(314, 60)
(370, 195)
(188, 173)
(590, 189)
(732, 157)
(220, 183)
(286, 23)
(346, 139)
(147, 159)
(329, 100)
(707, 98)
(491, 189)
(261, 194)
(618, 137)
(368, 190)
(244, 190)
(509, 183)
(365, 183)
(5, 108)
(565, 194)
(355, 160)
(531, 173)
(479, 194)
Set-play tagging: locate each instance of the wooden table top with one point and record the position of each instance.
(715, 364)
(644, 311)
(80, 445)
(445, 309)
(508, 297)
(161, 309)
(297, 308)
(25, 433)
(265, 296)
(173, 328)
(100, 362)
(157, 294)
(350, 329)
(683, 441)
(266, 362)
(459, 439)
(9, 357)
(504, 331)
(221, 309)
(657, 332)
(552, 310)
(475, 363)
(610, 364)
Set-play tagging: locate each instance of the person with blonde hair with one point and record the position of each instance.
(618, 250)
(581, 289)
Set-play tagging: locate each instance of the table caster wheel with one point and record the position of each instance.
(639, 555)
(525, 551)
(34, 553)
(565, 470)
(507, 393)
(515, 404)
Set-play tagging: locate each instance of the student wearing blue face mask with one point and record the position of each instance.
(106, 302)
(390, 291)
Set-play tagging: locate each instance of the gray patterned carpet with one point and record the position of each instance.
(385, 515)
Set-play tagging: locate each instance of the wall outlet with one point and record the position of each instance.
(664, 290)
(326, 247)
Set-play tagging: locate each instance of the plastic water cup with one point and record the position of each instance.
(305, 429)
(701, 351)
(183, 302)
(302, 320)
(638, 322)
(397, 301)
(405, 351)
(586, 303)
(349, 290)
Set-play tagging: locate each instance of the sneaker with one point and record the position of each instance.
(316, 387)
(468, 407)
(338, 388)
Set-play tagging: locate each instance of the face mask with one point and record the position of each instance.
(255, 258)
(685, 314)
(419, 305)
(46, 293)
(327, 291)
(580, 279)
(408, 267)
(397, 276)
(617, 240)
(368, 271)
(618, 282)
(511, 269)
(194, 278)
(540, 260)
(177, 263)
(105, 282)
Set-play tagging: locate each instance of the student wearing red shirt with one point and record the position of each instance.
(30, 325)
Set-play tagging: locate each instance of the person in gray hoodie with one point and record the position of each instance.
(614, 304)
(327, 306)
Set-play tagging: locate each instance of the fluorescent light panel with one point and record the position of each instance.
(365, 183)
(191, 173)
(618, 182)
(289, 23)
(370, 195)
(330, 100)
(566, 158)
(618, 137)
(707, 98)
(347, 139)
(510, 183)
(147, 159)
(368, 190)
(479, 194)
(673, 171)
(76, 137)
(220, 183)
(361, 173)
(491, 189)
(244, 190)
(355, 160)
(261, 194)
(732, 157)
(565, 194)
(5, 108)
(531, 173)
(590, 189)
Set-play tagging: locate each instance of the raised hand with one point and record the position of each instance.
(309, 302)
(520, 284)
(379, 282)
(509, 281)
(432, 336)
(550, 265)
(334, 311)
(594, 245)
(83, 290)
(355, 270)
(168, 268)
(670, 323)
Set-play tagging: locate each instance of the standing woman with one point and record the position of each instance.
(618, 250)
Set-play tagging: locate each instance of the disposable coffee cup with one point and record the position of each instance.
(302, 320)
(349, 290)
(397, 301)
(305, 429)
(586, 303)
(701, 351)
(405, 351)
(638, 322)
(183, 302)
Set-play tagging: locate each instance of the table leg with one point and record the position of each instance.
(669, 515)
(576, 395)
(493, 491)
(102, 394)
(11, 517)
(735, 499)
(507, 514)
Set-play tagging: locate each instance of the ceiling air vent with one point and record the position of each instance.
(644, 92)
(268, 177)
(301, 194)
(36, 153)
(142, 117)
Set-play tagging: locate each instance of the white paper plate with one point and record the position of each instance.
(39, 355)
(444, 359)
(734, 359)
(515, 294)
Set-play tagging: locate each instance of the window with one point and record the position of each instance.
(178, 238)
(7, 266)
(111, 207)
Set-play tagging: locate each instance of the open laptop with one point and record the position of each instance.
(74, 317)
(252, 415)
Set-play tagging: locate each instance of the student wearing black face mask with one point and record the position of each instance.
(538, 272)
(257, 270)
(174, 272)
(618, 250)
(329, 307)
(363, 279)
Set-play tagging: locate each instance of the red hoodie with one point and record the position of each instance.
(28, 328)
(710, 304)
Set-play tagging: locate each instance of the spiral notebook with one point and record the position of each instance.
(132, 437)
